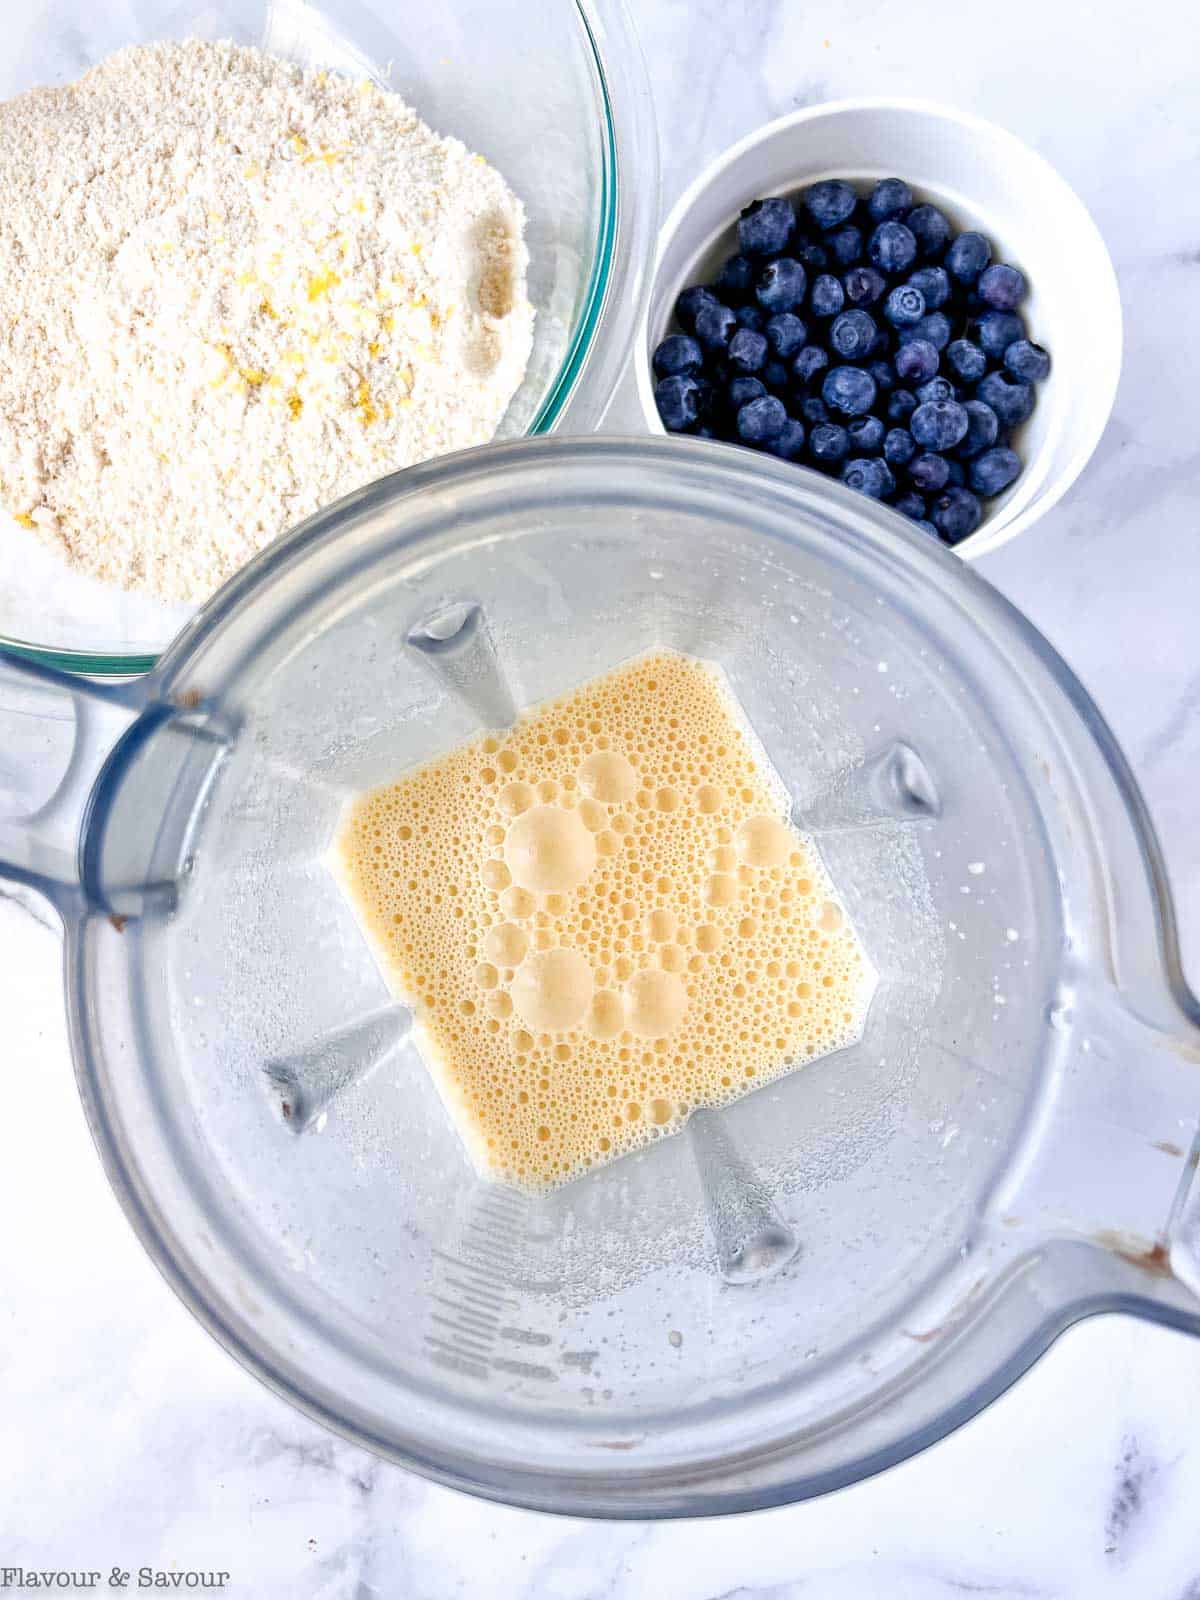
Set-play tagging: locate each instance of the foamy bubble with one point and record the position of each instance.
(656, 1004)
(548, 850)
(721, 889)
(608, 777)
(505, 944)
(517, 902)
(606, 1018)
(552, 990)
(829, 917)
(764, 841)
(515, 798)
(496, 876)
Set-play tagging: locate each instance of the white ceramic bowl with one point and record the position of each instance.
(982, 177)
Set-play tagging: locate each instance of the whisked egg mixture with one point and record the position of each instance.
(602, 920)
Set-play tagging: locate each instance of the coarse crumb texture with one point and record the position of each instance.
(233, 291)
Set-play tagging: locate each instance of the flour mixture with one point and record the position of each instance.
(602, 920)
(233, 291)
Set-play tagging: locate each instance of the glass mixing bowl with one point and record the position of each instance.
(552, 92)
(794, 1291)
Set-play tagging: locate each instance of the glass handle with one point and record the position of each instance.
(56, 731)
(1115, 1147)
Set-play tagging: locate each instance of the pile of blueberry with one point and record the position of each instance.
(867, 339)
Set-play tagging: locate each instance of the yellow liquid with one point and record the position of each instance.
(602, 920)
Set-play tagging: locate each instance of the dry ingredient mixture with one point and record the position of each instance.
(233, 291)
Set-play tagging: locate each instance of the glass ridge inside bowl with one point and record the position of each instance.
(524, 85)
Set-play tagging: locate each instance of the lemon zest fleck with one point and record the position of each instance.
(320, 283)
(364, 405)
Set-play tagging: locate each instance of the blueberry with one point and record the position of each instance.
(849, 390)
(938, 424)
(828, 444)
(916, 361)
(899, 447)
(901, 404)
(830, 202)
(809, 362)
(1011, 401)
(781, 285)
(679, 401)
(1002, 287)
(966, 360)
(957, 474)
(956, 514)
(909, 504)
(785, 334)
(845, 245)
(852, 335)
(765, 227)
(936, 389)
(715, 325)
(905, 306)
(690, 303)
(925, 526)
(747, 350)
(676, 355)
(929, 472)
(982, 428)
(1027, 361)
(935, 328)
(866, 436)
(789, 443)
(997, 330)
(761, 419)
(893, 248)
(931, 230)
(864, 285)
(777, 376)
(750, 317)
(742, 390)
(870, 475)
(881, 344)
(814, 411)
(826, 297)
(813, 257)
(889, 196)
(967, 257)
(934, 284)
(703, 431)
(994, 470)
(885, 378)
(736, 277)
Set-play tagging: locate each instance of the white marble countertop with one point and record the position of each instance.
(127, 1438)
